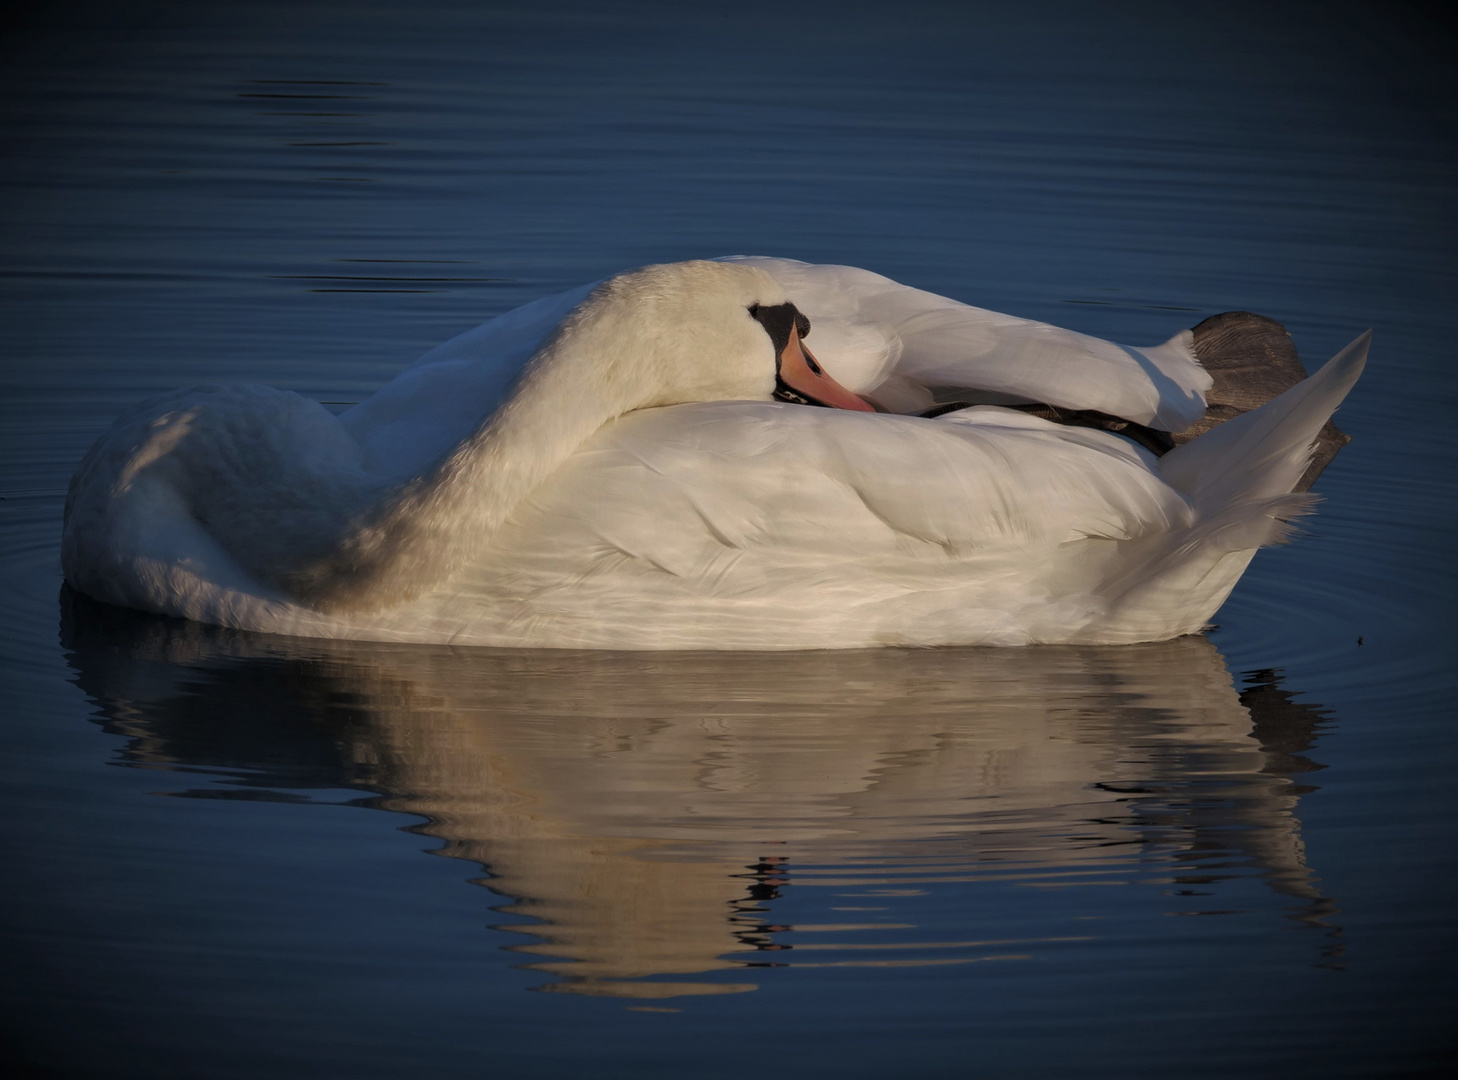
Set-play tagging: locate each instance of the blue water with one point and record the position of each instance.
(1223, 856)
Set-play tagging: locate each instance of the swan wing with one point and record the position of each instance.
(907, 348)
(748, 525)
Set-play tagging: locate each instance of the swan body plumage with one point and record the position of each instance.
(607, 469)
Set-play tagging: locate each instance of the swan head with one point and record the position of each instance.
(698, 331)
(799, 378)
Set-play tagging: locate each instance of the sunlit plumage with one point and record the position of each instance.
(605, 469)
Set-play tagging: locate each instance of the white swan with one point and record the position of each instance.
(607, 469)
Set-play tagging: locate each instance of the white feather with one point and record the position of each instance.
(604, 469)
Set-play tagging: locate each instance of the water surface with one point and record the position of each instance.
(1219, 856)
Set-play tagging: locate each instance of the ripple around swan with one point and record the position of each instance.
(30, 577)
(1324, 606)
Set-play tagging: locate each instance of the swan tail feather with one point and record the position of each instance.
(1264, 453)
(1244, 482)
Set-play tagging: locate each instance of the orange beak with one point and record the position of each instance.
(801, 374)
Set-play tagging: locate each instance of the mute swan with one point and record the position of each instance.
(610, 468)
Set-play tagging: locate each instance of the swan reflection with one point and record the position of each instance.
(646, 811)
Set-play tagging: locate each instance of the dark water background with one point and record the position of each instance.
(1225, 856)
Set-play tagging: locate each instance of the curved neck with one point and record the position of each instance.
(417, 534)
(622, 348)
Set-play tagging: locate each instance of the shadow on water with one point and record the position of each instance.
(643, 814)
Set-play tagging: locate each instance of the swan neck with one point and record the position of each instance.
(548, 416)
(419, 534)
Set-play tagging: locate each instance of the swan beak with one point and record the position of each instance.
(801, 378)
